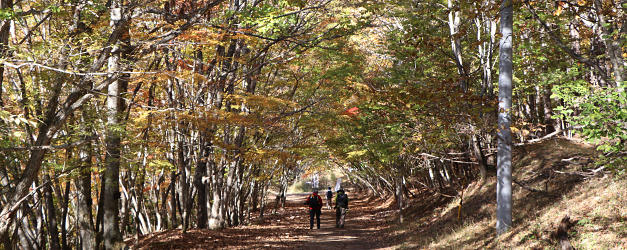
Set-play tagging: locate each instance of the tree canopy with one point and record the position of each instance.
(130, 117)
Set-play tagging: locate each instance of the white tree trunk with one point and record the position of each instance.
(504, 155)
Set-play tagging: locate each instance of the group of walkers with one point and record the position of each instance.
(314, 201)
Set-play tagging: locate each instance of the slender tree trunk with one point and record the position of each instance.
(209, 184)
(65, 207)
(399, 197)
(483, 163)
(100, 213)
(254, 199)
(172, 188)
(201, 171)
(53, 230)
(454, 22)
(84, 214)
(612, 46)
(504, 162)
(551, 124)
(5, 26)
(183, 189)
(23, 233)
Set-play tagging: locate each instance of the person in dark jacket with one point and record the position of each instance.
(329, 198)
(341, 206)
(315, 205)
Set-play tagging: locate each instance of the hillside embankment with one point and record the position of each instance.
(554, 180)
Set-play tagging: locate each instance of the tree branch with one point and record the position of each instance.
(595, 66)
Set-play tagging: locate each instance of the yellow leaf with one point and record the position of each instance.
(356, 153)
(559, 10)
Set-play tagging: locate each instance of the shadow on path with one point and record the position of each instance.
(287, 229)
(363, 228)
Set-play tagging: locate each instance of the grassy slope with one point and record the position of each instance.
(599, 205)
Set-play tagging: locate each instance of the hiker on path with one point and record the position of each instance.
(315, 204)
(329, 198)
(341, 206)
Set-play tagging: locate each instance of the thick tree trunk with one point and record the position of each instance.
(216, 216)
(111, 177)
(504, 162)
(114, 130)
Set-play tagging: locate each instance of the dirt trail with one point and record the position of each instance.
(363, 230)
(366, 222)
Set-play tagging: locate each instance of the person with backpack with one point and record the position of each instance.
(341, 206)
(315, 205)
(329, 198)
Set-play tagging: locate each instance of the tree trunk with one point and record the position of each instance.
(504, 162)
(551, 124)
(5, 26)
(65, 207)
(454, 22)
(254, 197)
(399, 197)
(183, 187)
(201, 171)
(53, 230)
(215, 217)
(612, 46)
(114, 130)
(172, 190)
(83, 212)
(483, 163)
(24, 233)
(100, 213)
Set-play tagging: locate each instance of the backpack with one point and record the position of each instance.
(329, 194)
(313, 201)
(342, 200)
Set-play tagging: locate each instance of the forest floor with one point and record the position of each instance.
(288, 228)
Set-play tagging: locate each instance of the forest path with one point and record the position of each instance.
(288, 228)
(364, 227)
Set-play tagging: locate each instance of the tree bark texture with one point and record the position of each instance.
(114, 131)
(504, 154)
